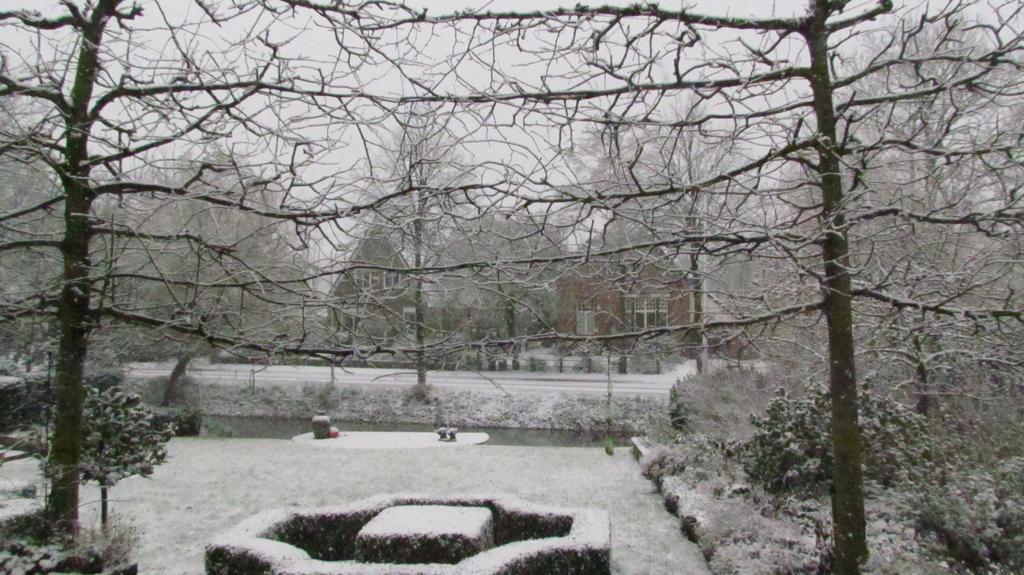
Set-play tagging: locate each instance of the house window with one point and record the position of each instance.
(586, 318)
(645, 312)
(375, 279)
(409, 317)
(364, 279)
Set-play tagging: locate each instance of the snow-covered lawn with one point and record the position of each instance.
(208, 485)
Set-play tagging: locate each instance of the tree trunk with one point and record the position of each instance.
(421, 359)
(608, 448)
(848, 528)
(73, 315)
(924, 398)
(697, 335)
(171, 389)
(510, 327)
(73, 318)
(104, 515)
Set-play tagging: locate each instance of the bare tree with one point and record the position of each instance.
(103, 113)
(809, 155)
(785, 90)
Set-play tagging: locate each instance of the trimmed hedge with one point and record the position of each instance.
(529, 540)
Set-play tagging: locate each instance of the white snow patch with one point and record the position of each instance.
(436, 520)
(12, 455)
(389, 440)
(14, 508)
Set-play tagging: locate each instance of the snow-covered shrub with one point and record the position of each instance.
(740, 539)
(662, 462)
(678, 411)
(895, 545)
(978, 514)
(120, 439)
(791, 447)
(24, 402)
(115, 545)
(32, 549)
(719, 403)
(185, 421)
(421, 394)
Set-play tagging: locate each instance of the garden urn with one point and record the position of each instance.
(321, 425)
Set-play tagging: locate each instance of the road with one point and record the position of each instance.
(511, 382)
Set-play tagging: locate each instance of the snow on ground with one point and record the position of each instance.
(388, 440)
(15, 476)
(209, 485)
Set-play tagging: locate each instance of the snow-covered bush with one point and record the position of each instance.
(663, 462)
(120, 439)
(418, 394)
(678, 412)
(185, 421)
(31, 549)
(791, 447)
(24, 402)
(979, 514)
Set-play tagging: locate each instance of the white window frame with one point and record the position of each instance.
(586, 318)
(364, 279)
(646, 311)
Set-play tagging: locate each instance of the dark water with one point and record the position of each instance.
(286, 428)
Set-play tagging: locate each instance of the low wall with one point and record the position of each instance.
(378, 404)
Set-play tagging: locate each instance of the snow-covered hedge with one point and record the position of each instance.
(791, 450)
(426, 534)
(528, 539)
(386, 404)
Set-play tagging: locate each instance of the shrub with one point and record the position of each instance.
(678, 412)
(663, 462)
(119, 440)
(791, 448)
(115, 545)
(25, 403)
(186, 422)
(978, 514)
(32, 547)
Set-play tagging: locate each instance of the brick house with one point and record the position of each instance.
(609, 297)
